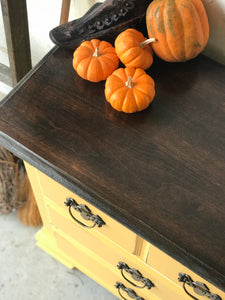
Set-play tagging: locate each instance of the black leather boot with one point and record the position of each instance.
(103, 21)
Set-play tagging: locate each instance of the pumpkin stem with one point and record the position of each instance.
(146, 42)
(129, 83)
(96, 53)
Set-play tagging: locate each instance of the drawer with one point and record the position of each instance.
(93, 266)
(171, 268)
(105, 275)
(119, 261)
(58, 194)
(96, 243)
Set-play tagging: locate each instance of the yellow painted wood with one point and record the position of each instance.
(89, 238)
(58, 194)
(141, 248)
(109, 251)
(111, 255)
(97, 269)
(170, 268)
(97, 251)
(47, 242)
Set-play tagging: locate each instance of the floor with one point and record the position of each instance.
(29, 273)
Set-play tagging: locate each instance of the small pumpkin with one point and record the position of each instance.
(95, 60)
(133, 49)
(180, 27)
(129, 89)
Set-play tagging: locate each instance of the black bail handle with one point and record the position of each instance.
(85, 213)
(131, 293)
(198, 287)
(136, 275)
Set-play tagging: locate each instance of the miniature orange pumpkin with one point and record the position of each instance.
(133, 49)
(95, 60)
(180, 27)
(129, 90)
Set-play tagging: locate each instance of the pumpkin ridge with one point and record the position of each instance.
(206, 21)
(126, 99)
(95, 43)
(109, 50)
(117, 90)
(80, 57)
(183, 30)
(129, 71)
(120, 82)
(141, 90)
(110, 88)
(194, 11)
(204, 33)
(106, 47)
(85, 64)
(146, 101)
(166, 38)
(94, 60)
(148, 60)
(121, 74)
(110, 65)
(139, 79)
(132, 58)
(88, 45)
(108, 56)
(89, 48)
(136, 100)
(103, 68)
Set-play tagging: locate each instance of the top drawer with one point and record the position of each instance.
(112, 229)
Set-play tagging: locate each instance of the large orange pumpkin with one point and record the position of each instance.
(133, 49)
(180, 27)
(129, 90)
(95, 60)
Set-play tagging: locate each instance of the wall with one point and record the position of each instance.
(216, 14)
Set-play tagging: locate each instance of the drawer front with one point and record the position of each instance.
(96, 243)
(171, 268)
(135, 273)
(104, 274)
(58, 194)
(94, 267)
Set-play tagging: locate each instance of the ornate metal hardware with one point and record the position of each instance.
(131, 293)
(198, 287)
(85, 212)
(136, 275)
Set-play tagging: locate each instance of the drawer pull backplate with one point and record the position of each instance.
(198, 287)
(131, 293)
(85, 213)
(136, 275)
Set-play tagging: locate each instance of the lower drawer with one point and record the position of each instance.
(171, 268)
(134, 274)
(94, 267)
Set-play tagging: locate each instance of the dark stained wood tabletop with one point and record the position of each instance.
(160, 172)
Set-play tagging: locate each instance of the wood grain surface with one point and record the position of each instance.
(161, 172)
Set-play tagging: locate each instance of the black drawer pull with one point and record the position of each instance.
(136, 275)
(131, 293)
(199, 288)
(85, 212)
